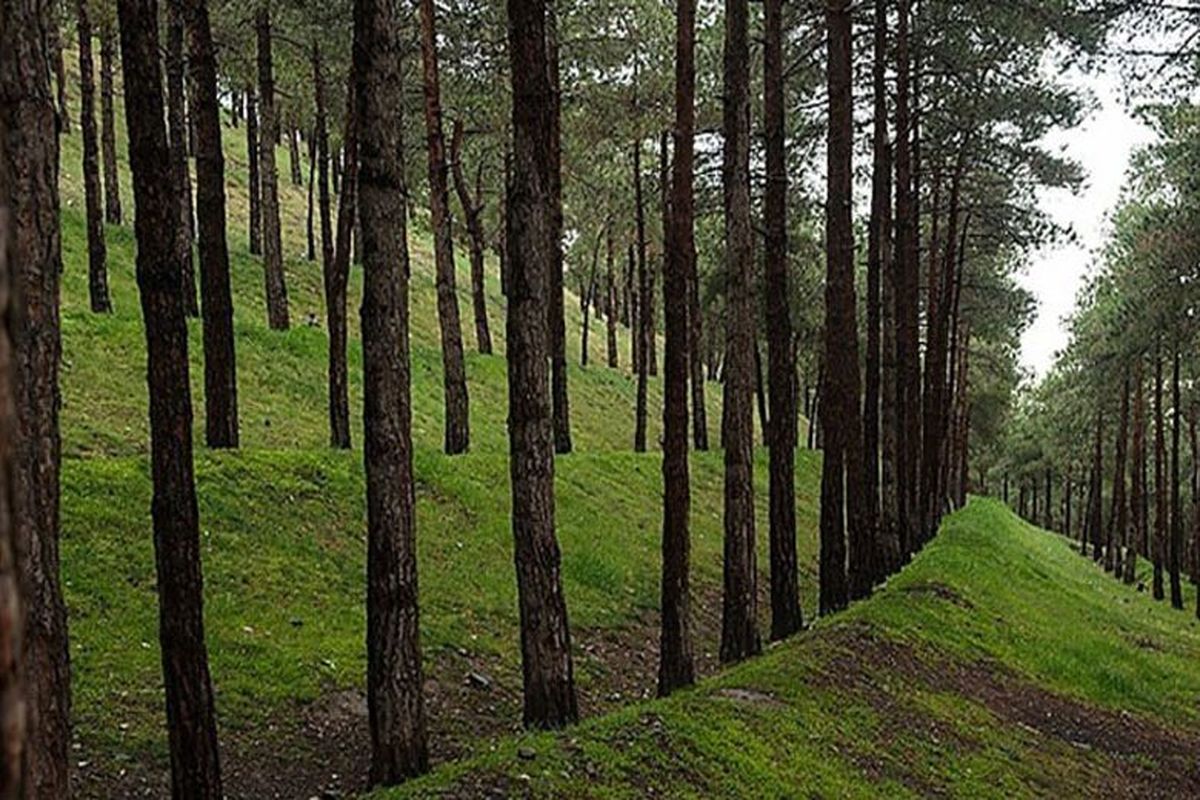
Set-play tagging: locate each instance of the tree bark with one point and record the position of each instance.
(321, 142)
(611, 301)
(12, 693)
(1175, 547)
(29, 153)
(696, 359)
(294, 155)
(309, 221)
(1118, 521)
(399, 747)
(1137, 490)
(555, 319)
(549, 685)
(1095, 503)
(177, 134)
(1159, 545)
(220, 361)
(191, 723)
(108, 128)
(640, 327)
(97, 254)
(55, 44)
(272, 244)
(891, 553)
(254, 179)
(676, 668)
(473, 217)
(336, 273)
(454, 372)
(739, 625)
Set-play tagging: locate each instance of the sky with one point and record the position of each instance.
(1103, 145)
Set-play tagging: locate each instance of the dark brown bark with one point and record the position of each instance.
(908, 366)
(454, 371)
(399, 744)
(55, 44)
(177, 133)
(309, 222)
(630, 306)
(1095, 523)
(641, 331)
(321, 143)
(1175, 545)
(1137, 484)
(1158, 547)
(108, 128)
(876, 247)
(220, 362)
(254, 179)
(549, 684)
(786, 617)
(888, 529)
(12, 693)
(1118, 521)
(97, 253)
(842, 517)
(676, 667)
(336, 274)
(29, 153)
(739, 625)
(293, 143)
(696, 359)
(268, 123)
(555, 319)
(473, 217)
(191, 723)
(610, 304)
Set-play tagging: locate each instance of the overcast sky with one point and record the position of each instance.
(1103, 146)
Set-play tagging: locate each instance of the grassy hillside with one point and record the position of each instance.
(999, 664)
(283, 527)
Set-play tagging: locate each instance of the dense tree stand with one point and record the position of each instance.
(191, 722)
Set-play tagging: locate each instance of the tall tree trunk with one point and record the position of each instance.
(610, 311)
(321, 137)
(97, 254)
(454, 371)
(336, 272)
(842, 475)
(907, 282)
(549, 684)
(1118, 521)
(876, 247)
(1095, 507)
(739, 625)
(191, 722)
(696, 359)
(1175, 547)
(760, 395)
(108, 128)
(220, 362)
(473, 216)
(12, 692)
(1137, 493)
(786, 617)
(254, 179)
(888, 530)
(29, 157)
(676, 667)
(55, 45)
(268, 119)
(294, 154)
(1159, 545)
(309, 221)
(640, 331)
(555, 319)
(399, 745)
(177, 134)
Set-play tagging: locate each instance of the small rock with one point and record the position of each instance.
(526, 753)
(479, 680)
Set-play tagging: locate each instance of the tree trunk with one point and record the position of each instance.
(739, 626)
(1137, 488)
(640, 327)
(321, 143)
(888, 530)
(309, 221)
(191, 723)
(549, 686)
(908, 381)
(1159, 546)
(178, 142)
(610, 312)
(786, 617)
(336, 273)
(97, 254)
(254, 179)
(1175, 548)
(294, 155)
(12, 693)
(29, 153)
(676, 667)
(1118, 521)
(845, 518)
(555, 319)
(268, 119)
(220, 362)
(696, 359)
(454, 372)
(399, 745)
(473, 216)
(1095, 507)
(108, 128)
(55, 46)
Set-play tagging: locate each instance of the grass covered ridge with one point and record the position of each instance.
(999, 664)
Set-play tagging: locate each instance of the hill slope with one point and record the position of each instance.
(998, 664)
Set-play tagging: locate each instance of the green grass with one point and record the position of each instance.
(1012, 601)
